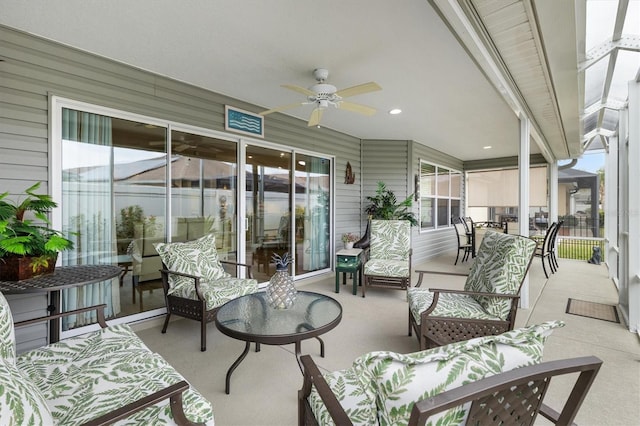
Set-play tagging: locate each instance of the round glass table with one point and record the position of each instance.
(250, 318)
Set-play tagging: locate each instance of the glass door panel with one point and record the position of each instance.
(113, 204)
(312, 218)
(203, 190)
(268, 208)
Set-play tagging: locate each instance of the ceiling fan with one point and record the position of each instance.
(323, 95)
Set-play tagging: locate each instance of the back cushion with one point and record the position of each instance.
(198, 257)
(20, 401)
(500, 266)
(7, 333)
(402, 380)
(390, 239)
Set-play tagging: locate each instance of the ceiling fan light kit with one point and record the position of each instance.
(323, 95)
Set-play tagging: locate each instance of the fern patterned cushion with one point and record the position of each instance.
(87, 376)
(20, 401)
(198, 257)
(356, 398)
(390, 239)
(450, 305)
(7, 333)
(500, 266)
(217, 293)
(387, 268)
(401, 380)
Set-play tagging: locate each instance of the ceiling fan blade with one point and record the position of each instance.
(281, 108)
(359, 89)
(299, 89)
(360, 109)
(316, 115)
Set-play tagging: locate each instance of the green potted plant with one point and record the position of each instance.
(28, 247)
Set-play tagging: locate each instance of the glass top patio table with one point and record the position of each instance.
(251, 319)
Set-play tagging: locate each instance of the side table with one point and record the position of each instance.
(348, 260)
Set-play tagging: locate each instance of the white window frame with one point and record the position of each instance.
(436, 196)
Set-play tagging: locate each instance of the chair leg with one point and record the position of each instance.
(203, 333)
(457, 254)
(551, 265)
(410, 327)
(544, 268)
(166, 322)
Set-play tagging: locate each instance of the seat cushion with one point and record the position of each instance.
(7, 333)
(218, 292)
(401, 380)
(357, 399)
(198, 257)
(500, 266)
(21, 403)
(87, 376)
(387, 268)
(450, 305)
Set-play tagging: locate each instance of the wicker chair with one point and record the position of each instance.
(196, 284)
(488, 380)
(488, 303)
(389, 261)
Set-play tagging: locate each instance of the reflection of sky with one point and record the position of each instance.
(80, 154)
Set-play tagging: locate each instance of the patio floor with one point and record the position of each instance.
(264, 387)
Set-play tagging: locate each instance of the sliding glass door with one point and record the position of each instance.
(126, 182)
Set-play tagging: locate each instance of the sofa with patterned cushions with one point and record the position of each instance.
(102, 377)
(388, 388)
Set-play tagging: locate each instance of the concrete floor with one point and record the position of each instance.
(264, 387)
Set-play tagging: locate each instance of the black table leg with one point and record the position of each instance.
(227, 386)
(54, 324)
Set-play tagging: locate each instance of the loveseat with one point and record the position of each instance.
(383, 387)
(102, 377)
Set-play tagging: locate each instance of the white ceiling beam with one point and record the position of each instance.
(626, 42)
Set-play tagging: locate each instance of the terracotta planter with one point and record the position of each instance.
(17, 268)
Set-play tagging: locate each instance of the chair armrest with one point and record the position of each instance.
(165, 280)
(474, 293)
(312, 376)
(245, 265)
(423, 273)
(98, 308)
(173, 392)
(588, 368)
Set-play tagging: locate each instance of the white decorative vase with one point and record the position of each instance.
(281, 293)
(348, 245)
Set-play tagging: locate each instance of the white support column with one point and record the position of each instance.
(523, 195)
(633, 194)
(611, 209)
(623, 216)
(553, 192)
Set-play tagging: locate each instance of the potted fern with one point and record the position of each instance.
(28, 246)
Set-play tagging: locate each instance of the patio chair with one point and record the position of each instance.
(465, 243)
(544, 250)
(488, 303)
(389, 260)
(196, 284)
(553, 250)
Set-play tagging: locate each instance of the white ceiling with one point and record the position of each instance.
(247, 49)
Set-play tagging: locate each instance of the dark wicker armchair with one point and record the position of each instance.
(195, 283)
(488, 303)
(509, 398)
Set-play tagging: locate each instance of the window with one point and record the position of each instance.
(440, 190)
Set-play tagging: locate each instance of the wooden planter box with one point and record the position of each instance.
(17, 268)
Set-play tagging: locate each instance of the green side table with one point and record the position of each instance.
(348, 260)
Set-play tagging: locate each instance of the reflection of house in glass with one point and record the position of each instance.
(578, 202)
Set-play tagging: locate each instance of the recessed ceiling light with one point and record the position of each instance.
(302, 163)
(486, 147)
(395, 111)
